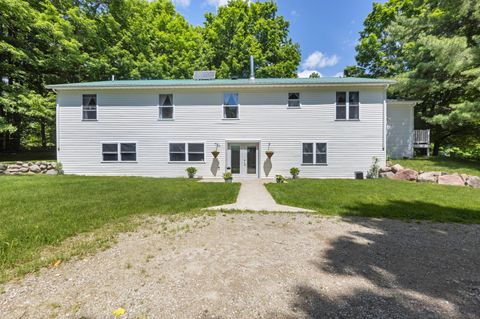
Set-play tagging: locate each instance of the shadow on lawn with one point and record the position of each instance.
(420, 210)
(414, 270)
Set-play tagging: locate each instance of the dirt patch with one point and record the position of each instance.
(265, 266)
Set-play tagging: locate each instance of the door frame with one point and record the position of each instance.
(256, 142)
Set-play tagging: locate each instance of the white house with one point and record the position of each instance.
(327, 127)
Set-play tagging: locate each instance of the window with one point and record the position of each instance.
(350, 106)
(293, 99)
(89, 106)
(230, 106)
(353, 106)
(166, 106)
(187, 152)
(314, 153)
(110, 152)
(128, 152)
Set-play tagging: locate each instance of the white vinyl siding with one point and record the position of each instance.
(132, 115)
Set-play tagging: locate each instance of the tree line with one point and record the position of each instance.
(60, 41)
(432, 48)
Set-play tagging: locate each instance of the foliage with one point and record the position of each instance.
(374, 168)
(243, 28)
(40, 211)
(433, 49)
(314, 75)
(280, 179)
(442, 164)
(381, 198)
(294, 171)
(63, 41)
(191, 171)
(227, 175)
(472, 152)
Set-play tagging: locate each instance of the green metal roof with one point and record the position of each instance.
(221, 83)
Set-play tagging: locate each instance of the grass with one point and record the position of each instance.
(42, 213)
(382, 198)
(28, 156)
(442, 164)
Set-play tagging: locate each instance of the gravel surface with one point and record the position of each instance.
(264, 266)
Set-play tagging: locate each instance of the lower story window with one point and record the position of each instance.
(314, 153)
(187, 152)
(126, 152)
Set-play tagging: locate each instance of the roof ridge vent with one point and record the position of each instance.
(204, 75)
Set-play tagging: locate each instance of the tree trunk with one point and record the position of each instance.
(43, 135)
(436, 148)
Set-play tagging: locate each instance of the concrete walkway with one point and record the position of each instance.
(254, 196)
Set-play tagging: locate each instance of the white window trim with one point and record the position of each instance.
(314, 153)
(119, 151)
(299, 101)
(347, 107)
(160, 106)
(187, 161)
(223, 108)
(96, 108)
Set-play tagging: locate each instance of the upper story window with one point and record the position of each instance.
(126, 152)
(165, 107)
(89, 107)
(293, 100)
(187, 152)
(230, 106)
(350, 106)
(314, 153)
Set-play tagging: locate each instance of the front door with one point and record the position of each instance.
(243, 159)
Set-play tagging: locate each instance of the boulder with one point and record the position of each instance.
(473, 181)
(35, 168)
(3, 167)
(464, 177)
(388, 175)
(23, 169)
(451, 179)
(428, 177)
(396, 168)
(19, 163)
(385, 169)
(14, 166)
(52, 172)
(406, 175)
(43, 167)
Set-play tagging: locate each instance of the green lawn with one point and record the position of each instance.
(37, 212)
(442, 164)
(382, 198)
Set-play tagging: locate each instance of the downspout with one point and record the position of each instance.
(57, 126)
(384, 120)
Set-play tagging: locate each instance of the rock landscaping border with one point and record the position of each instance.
(30, 168)
(398, 172)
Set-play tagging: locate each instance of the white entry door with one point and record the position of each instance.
(243, 159)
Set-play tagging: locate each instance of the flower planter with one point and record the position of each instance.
(215, 154)
(228, 180)
(269, 154)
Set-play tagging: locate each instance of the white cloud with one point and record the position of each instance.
(339, 74)
(318, 60)
(217, 3)
(307, 73)
(182, 3)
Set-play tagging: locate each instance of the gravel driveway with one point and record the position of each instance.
(265, 266)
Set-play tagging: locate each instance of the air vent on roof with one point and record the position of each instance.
(204, 75)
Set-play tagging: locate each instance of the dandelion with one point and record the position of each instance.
(118, 312)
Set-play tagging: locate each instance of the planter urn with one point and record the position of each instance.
(215, 153)
(269, 154)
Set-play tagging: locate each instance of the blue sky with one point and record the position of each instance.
(327, 30)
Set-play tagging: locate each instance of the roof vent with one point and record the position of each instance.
(204, 75)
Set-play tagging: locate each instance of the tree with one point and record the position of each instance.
(314, 75)
(432, 48)
(243, 28)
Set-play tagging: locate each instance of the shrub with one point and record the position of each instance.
(294, 171)
(191, 171)
(374, 169)
(227, 175)
(280, 179)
